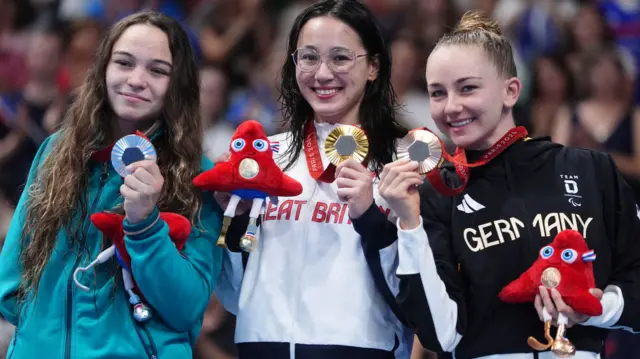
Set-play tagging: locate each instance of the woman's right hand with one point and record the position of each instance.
(223, 197)
(398, 186)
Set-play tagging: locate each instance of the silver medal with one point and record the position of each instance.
(130, 149)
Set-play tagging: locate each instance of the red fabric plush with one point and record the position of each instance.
(249, 142)
(111, 225)
(570, 255)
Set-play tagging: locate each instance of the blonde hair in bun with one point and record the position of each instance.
(476, 28)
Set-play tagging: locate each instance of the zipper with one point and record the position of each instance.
(68, 320)
(154, 349)
(296, 296)
(151, 349)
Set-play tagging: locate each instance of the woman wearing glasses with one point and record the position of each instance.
(308, 290)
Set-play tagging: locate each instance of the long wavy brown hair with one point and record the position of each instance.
(58, 196)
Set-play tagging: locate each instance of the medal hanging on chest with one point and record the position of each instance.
(427, 149)
(343, 143)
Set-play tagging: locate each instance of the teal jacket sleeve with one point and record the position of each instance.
(177, 285)
(10, 266)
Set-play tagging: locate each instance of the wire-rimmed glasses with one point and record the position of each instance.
(339, 59)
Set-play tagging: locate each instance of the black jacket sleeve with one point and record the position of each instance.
(431, 289)
(623, 227)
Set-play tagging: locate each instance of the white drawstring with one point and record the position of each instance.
(102, 257)
(562, 319)
(545, 315)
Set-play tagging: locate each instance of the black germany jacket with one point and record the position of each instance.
(472, 245)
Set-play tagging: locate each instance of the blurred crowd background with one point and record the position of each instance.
(578, 61)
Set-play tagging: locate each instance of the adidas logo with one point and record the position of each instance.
(469, 205)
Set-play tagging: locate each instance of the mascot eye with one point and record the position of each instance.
(546, 252)
(569, 255)
(260, 145)
(238, 144)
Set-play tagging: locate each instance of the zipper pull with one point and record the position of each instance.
(104, 176)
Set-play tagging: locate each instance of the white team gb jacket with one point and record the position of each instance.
(308, 281)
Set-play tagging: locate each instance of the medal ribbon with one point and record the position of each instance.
(459, 160)
(314, 160)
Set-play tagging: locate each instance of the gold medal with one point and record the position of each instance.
(249, 168)
(346, 142)
(550, 277)
(423, 147)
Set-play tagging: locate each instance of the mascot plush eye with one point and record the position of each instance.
(238, 144)
(569, 255)
(546, 252)
(260, 145)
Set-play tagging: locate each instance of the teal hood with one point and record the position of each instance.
(66, 322)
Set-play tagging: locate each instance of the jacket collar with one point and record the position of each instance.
(104, 154)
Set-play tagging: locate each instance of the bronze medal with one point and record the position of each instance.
(423, 147)
(550, 277)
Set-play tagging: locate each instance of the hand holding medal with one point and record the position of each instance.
(346, 148)
(134, 158)
(427, 149)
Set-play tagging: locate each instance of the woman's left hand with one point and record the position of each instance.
(554, 305)
(355, 186)
(141, 190)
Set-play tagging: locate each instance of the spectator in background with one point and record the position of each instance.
(536, 31)
(259, 100)
(12, 47)
(606, 119)
(414, 103)
(111, 11)
(426, 22)
(552, 95)
(590, 33)
(106, 12)
(236, 35)
(213, 103)
(391, 15)
(84, 40)
(216, 338)
(623, 17)
(33, 113)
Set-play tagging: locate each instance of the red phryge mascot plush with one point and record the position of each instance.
(251, 173)
(111, 225)
(566, 265)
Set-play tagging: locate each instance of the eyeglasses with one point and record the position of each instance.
(339, 59)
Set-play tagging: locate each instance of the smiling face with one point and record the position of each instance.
(334, 96)
(470, 99)
(138, 73)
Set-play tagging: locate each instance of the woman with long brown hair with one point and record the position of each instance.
(144, 79)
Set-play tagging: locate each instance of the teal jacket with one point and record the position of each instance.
(66, 322)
